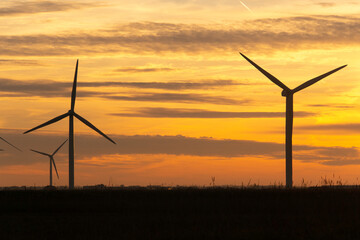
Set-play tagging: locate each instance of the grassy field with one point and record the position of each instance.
(181, 213)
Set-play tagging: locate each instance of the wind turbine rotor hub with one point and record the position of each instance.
(286, 93)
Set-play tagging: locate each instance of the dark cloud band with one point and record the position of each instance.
(199, 113)
(148, 38)
(33, 7)
(353, 128)
(46, 88)
(89, 146)
(143, 70)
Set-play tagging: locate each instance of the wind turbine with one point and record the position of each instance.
(52, 161)
(9, 144)
(289, 93)
(71, 114)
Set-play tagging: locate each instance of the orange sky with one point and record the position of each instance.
(165, 80)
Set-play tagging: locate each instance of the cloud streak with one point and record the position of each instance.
(175, 85)
(33, 7)
(177, 98)
(326, 4)
(31, 86)
(14, 88)
(92, 146)
(342, 106)
(144, 70)
(353, 128)
(200, 113)
(48, 88)
(308, 32)
(19, 62)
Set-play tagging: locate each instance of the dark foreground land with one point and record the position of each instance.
(181, 213)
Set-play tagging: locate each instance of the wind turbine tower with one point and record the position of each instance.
(289, 94)
(52, 161)
(71, 114)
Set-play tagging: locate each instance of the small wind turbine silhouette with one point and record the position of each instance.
(52, 161)
(9, 144)
(289, 93)
(71, 113)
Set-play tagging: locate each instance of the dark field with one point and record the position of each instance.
(181, 213)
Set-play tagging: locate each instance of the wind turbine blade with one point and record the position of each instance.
(10, 144)
(53, 161)
(268, 75)
(93, 127)
(59, 147)
(314, 80)
(73, 93)
(48, 122)
(40, 152)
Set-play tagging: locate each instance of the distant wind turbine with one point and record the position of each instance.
(9, 144)
(71, 113)
(288, 93)
(52, 161)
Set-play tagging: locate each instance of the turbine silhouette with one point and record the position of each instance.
(289, 93)
(52, 161)
(71, 113)
(9, 144)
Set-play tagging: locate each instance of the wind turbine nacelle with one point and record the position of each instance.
(284, 93)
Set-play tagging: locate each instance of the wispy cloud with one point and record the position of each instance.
(19, 62)
(326, 4)
(48, 88)
(200, 113)
(32, 88)
(143, 70)
(172, 85)
(33, 7)
(342, 106)
(43, 86)
(177, 98)
(308, 32)
(343, 128)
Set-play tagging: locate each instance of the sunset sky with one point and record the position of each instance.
(165, 80)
